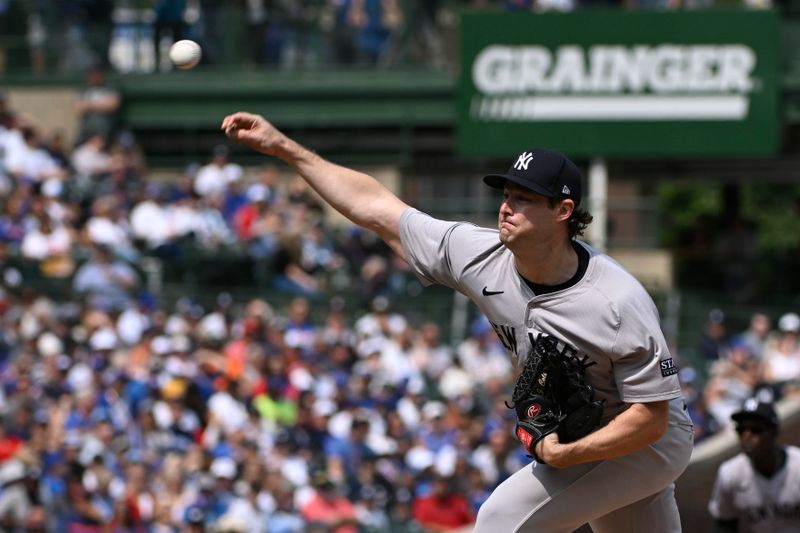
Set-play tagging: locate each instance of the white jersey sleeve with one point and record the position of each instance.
(721, 505)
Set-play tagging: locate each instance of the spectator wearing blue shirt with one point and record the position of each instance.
(345, 455)
(107, 284)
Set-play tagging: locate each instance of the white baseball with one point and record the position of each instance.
(185, 53)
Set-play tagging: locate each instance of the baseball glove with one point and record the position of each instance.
(551, 395)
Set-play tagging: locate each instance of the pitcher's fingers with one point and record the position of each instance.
(237, 119)
(229, 122)
(234, 133)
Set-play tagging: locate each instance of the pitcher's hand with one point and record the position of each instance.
(254, 131)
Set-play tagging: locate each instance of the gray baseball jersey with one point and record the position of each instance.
(759, 504)
(608, 316)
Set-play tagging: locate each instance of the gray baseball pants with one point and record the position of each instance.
(629, 494)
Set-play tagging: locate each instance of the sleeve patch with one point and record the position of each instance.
(668, 367)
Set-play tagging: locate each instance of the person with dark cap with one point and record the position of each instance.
(758, 490)
(537, 283)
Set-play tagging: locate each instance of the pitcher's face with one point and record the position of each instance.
(526, 216)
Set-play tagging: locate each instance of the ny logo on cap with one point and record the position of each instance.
(565, 190)
(523, 161)
(751, 404)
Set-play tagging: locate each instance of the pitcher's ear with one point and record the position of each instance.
(565, 209)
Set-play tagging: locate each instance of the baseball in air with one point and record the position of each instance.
(185, 54)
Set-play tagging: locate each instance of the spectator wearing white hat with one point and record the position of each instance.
(17, 495)
(781, 364)
(257, 223)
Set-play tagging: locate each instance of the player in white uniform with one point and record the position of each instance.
(758, 491)
(530, 275)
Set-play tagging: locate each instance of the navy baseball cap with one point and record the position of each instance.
(753, 409)
(544, 172)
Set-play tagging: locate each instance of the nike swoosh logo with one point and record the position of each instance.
(491, 293)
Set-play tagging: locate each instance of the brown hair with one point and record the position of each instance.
(578, 220)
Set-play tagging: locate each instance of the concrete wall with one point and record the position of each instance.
(53, 108)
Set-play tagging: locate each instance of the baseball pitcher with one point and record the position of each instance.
(598, 402)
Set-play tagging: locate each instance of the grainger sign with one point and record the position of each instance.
(640, 84)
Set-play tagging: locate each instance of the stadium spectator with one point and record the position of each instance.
(285, 518)
(704, 423)
(443, 508)
(340, 31)
(256, 17)
(714, 338)
(426, 33)
(211, 232)
(108, 226)
(328, 508)
(497, 457)
(300, 43)
(481, 354)
(214, 177)
(732, 379)
(36, 35)
(757, 334)
(781, 363)
(168, 27)
(380, 322)
(91, 161)
(106, 284)
(97, 106)
(377, 23)
(150, 221)
(344, 456)
(258, 225)
(430, 353)
(50, 246)
(292, 274)
(209, 29)
(55, 145)
(27, 162)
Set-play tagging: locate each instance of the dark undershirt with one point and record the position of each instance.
(583, 264)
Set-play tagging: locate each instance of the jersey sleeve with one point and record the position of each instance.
(721, 505)
(436, 249)
(643, 367)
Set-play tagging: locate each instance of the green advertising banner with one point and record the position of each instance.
(621, 84)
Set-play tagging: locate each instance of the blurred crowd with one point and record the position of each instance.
(122, 413)
(84, 217)
(762, 360)
(133, 35)
(242, 418)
